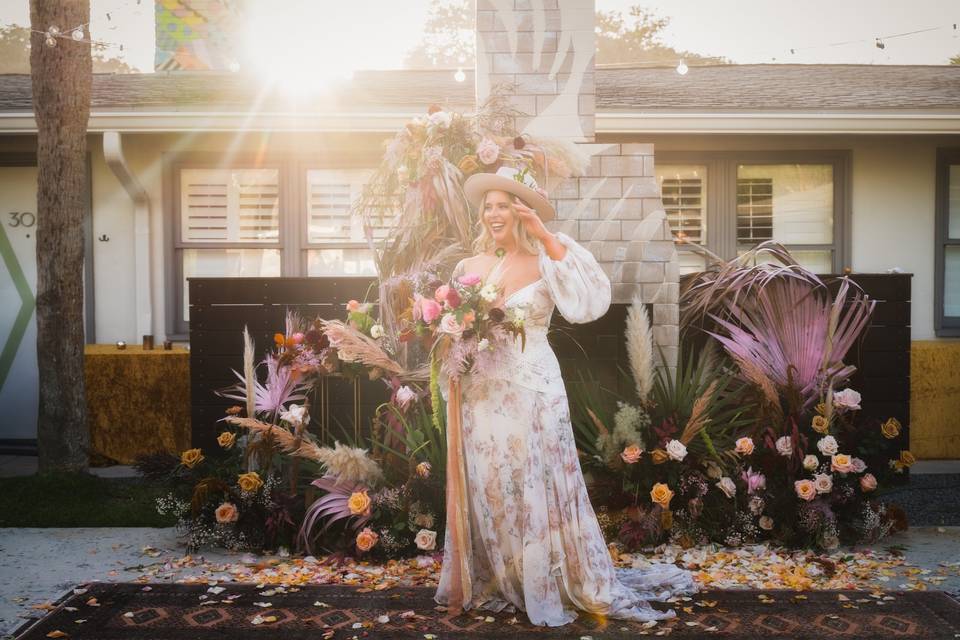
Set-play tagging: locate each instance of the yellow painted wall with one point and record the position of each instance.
(935, 399)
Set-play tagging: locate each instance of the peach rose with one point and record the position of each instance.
(426, 540)
(366, 539)
(423, 469)
(661, 495)
(890, 429)
(449, 325)
(191, 458)
(227, 512)
(766, 523)
(868, 482)
(659, 456)
(359, 503)
(820, 424)
(841, 463)
(631, 454)
(226, 439)
(805, 489)
(249, 481)
(744, 446)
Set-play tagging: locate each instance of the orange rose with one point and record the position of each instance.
(249, 481)
(359, 503)
(191, 458)
(366, 539)
(907, 459)
(841, 463)
(227, 512)
(890, 429)
(661, 495)
(659, 456)
(279, 339)
(820, 424)
(226, 439)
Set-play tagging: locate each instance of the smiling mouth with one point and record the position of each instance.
(498, 226)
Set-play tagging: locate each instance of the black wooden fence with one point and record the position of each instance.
(221, 307)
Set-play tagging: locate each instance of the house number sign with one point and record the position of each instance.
(22, 219)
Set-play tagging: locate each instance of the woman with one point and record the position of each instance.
(521, 532)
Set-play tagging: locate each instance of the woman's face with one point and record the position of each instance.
(499, 216)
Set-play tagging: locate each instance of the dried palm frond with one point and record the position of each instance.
(698, 415)
(640, 347)
(354, 346)
(249, 377)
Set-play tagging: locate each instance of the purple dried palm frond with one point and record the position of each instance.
(330, 508)
(794, 334)
(281, 388)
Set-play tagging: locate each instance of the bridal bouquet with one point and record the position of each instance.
(466, 329)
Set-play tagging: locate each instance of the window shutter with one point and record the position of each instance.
(754, 210)
(330, 196)
(683, 203)
(230, 205)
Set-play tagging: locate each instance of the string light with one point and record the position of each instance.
(682, 68)
(460, 76)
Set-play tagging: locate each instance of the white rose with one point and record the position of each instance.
(846, 400)
(828, 445)
(405, 395)
(676, 450)
(440, 119)
(727, 486)
(785, 446)
(823, 482)
(426, 540)
(376, 331)
(488, 151)
(483, 345)
(295, 416)
(489, 292)
(449, 324)
(810, 462)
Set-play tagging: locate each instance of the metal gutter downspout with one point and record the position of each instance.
(113, 153)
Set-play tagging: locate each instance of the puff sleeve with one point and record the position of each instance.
(578, 285)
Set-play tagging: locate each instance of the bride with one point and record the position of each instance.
(521, 532)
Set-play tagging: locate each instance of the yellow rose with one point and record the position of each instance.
(891, 428)
(907, 458)
(661, 495)
(359, 503)
(226, 439)
(191, 458)
(821, 408)
(841, 463)
(659, 456)
(820, 424)
(249, 481)
(469, 165)
(227, 512)
(366, 539)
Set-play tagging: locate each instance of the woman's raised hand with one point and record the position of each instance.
(530, 220)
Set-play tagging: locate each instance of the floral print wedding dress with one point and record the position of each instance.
(534, 542)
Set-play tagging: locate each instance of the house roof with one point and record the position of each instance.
(629, 99)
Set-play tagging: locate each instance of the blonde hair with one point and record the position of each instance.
(484, 242)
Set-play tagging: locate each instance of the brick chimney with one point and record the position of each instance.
(545, 51)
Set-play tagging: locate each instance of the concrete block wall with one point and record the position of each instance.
(544, 51)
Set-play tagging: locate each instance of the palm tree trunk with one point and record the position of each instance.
(61, 76)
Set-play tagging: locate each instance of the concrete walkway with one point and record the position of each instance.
(40, 565)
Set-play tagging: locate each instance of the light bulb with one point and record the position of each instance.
(682, 68)
(459, 76)
(54, 30)
(77, 34)
(50, 41)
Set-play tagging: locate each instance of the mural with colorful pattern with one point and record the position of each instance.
(197, 34)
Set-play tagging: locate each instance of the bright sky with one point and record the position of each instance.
(377, 33)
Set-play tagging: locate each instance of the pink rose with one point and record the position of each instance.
(353, 305)
(488, 151)
(469, 279)
(631, 454)
(429, 310)
(805, 489)
(441, 293)
(868, 482)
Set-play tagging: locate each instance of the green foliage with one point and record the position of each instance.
(15, 53)
(422, 442)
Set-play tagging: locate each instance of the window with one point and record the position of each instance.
(336, 243)
(794, 198)
(228, 226)
(947, 295)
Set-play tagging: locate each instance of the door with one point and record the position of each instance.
(18, 287)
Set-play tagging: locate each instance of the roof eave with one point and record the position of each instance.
(778, 122)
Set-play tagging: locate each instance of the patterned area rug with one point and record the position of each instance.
(197, 612)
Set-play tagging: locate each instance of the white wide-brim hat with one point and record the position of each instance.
(511, 180)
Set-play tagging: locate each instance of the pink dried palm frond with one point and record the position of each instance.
(281, 388)
(792, 333)
(328, 509)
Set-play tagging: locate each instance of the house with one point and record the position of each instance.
(853, 167)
